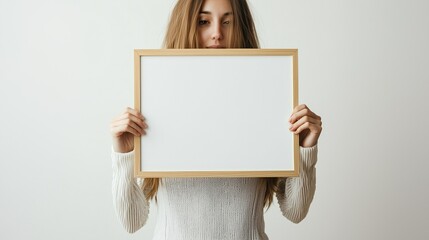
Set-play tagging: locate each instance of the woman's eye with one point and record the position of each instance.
(226, 22)
(203, 22)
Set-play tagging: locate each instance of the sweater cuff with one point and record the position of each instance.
(308, 156)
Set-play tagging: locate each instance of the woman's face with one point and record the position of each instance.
(214, 22)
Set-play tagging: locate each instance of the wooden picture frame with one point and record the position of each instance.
(216, 112)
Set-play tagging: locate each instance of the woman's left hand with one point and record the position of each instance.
(307, 124)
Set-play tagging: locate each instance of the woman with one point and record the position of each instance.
(210, 208)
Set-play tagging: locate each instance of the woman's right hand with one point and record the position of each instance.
(124, 127)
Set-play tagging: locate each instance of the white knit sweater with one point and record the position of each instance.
(209, 208)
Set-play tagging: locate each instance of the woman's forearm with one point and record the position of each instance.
(129, 201)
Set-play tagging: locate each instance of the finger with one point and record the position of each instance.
(131, 124)
(129, 116)
(314, 128)
(127, 122)
(119, 130)
(136, 113)
(301, 113)
(303, 120)
(299, 108)
(131, 112)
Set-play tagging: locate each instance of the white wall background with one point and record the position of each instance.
(66, 69)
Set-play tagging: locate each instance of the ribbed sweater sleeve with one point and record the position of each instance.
(129, 201)
(295, 194)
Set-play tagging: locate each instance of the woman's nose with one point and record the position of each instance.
(217, 32)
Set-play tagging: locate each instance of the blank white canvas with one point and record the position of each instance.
(216, 113)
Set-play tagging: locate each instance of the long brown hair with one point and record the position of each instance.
(182, 33)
